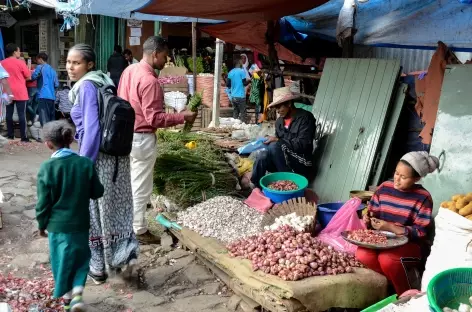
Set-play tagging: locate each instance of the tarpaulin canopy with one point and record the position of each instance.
(396, 22)
(115, 8)
(235, 10)
(250, 35)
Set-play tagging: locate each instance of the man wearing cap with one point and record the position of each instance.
(292, 147)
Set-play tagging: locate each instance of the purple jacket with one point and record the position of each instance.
(84, 113)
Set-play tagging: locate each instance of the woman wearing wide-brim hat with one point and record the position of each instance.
(292, 147)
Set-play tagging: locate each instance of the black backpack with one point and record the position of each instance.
(116, 124)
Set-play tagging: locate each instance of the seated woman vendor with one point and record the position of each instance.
(403, 207)
(292, 147)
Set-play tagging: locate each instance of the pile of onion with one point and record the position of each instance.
(292, 255)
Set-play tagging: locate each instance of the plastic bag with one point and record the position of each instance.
(252, 146)
(452, 245)
(345, 219)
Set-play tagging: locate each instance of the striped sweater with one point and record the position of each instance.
(411, 209)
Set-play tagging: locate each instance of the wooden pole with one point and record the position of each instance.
(215, 119)
(194, 55)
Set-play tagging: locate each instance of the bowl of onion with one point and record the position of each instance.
(282, 186)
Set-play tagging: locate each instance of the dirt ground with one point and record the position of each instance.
(168, 278)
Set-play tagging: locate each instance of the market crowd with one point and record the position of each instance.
(92, 202)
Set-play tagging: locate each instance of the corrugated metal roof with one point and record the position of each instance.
(410, 59)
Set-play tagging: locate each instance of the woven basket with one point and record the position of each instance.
(298, 205)
(205, 84)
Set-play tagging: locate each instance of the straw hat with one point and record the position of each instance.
(282, 95)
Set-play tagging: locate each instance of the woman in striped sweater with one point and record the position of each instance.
(403, 207)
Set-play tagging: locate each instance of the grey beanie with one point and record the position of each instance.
(422, 162)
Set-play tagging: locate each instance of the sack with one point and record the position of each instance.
(345, 219)
(452, 245)
(252, 146)
(116, 122)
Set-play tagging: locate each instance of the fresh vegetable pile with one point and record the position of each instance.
(297, 222)
(283, 185)
(461, 204)
(368, 236)
(292, 255)
(190, 176)
(222, 217)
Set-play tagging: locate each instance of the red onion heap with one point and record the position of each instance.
(292, 255)
(368, 236)
(283, 185)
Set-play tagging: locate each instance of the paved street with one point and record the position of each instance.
(169, 279)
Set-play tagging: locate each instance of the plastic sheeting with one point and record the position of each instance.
(250, 35)
(235, 10)
(120, 9)
(396, 22)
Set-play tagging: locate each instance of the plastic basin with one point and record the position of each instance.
(450, 288)
(281, 196)
(328, 210)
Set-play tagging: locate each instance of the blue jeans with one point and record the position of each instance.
(47, 111)
(21, 110)
(239, 108)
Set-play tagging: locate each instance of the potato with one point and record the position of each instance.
(457, 197)
(467, 210)
(445, 204)
(461, 203)
(454, 209)
(468, 197)
(469, 217)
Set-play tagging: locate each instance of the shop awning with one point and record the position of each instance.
(235, 10)
(249, 35)
(410, 23)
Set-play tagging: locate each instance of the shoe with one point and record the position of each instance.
(129, 269)
(98, 279)
(25, 140)
(10, 138)
(66, 307)
(147, 238)
(77, 304)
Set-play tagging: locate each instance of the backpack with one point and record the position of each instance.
(116, 122)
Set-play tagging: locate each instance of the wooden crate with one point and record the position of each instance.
(181, 87)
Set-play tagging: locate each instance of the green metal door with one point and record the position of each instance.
(350, 107)
(452, 138)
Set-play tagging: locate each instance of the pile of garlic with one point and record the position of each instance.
(462, 307)
(298, 223)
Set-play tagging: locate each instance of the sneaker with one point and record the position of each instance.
(25, 140)
(77, 304)
(98, 279)
(10, 138)
(147, 238)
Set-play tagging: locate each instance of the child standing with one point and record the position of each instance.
(66, 183)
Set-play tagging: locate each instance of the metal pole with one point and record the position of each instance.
(215, 116)
(194, 55)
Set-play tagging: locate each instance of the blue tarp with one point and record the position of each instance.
(123, 9)
(414, 23)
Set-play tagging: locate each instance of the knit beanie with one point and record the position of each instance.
(422, 162)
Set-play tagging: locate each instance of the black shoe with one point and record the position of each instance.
(98, 279)
(25, 140)
(10, 138)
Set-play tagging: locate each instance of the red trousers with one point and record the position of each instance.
(387, 262)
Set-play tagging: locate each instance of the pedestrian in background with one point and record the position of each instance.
(140, 87)
(66, 183)
(116, 65)
(236, 82)
(47, 85)
(129, 57)
(112, 240)
(18, 75)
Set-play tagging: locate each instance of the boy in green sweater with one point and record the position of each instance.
(66, 183)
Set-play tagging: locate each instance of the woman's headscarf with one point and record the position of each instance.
(422, 162)
(246, 66)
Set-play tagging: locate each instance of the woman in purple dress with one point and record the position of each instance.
(112, 241)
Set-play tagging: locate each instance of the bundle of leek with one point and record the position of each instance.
(193, 105)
